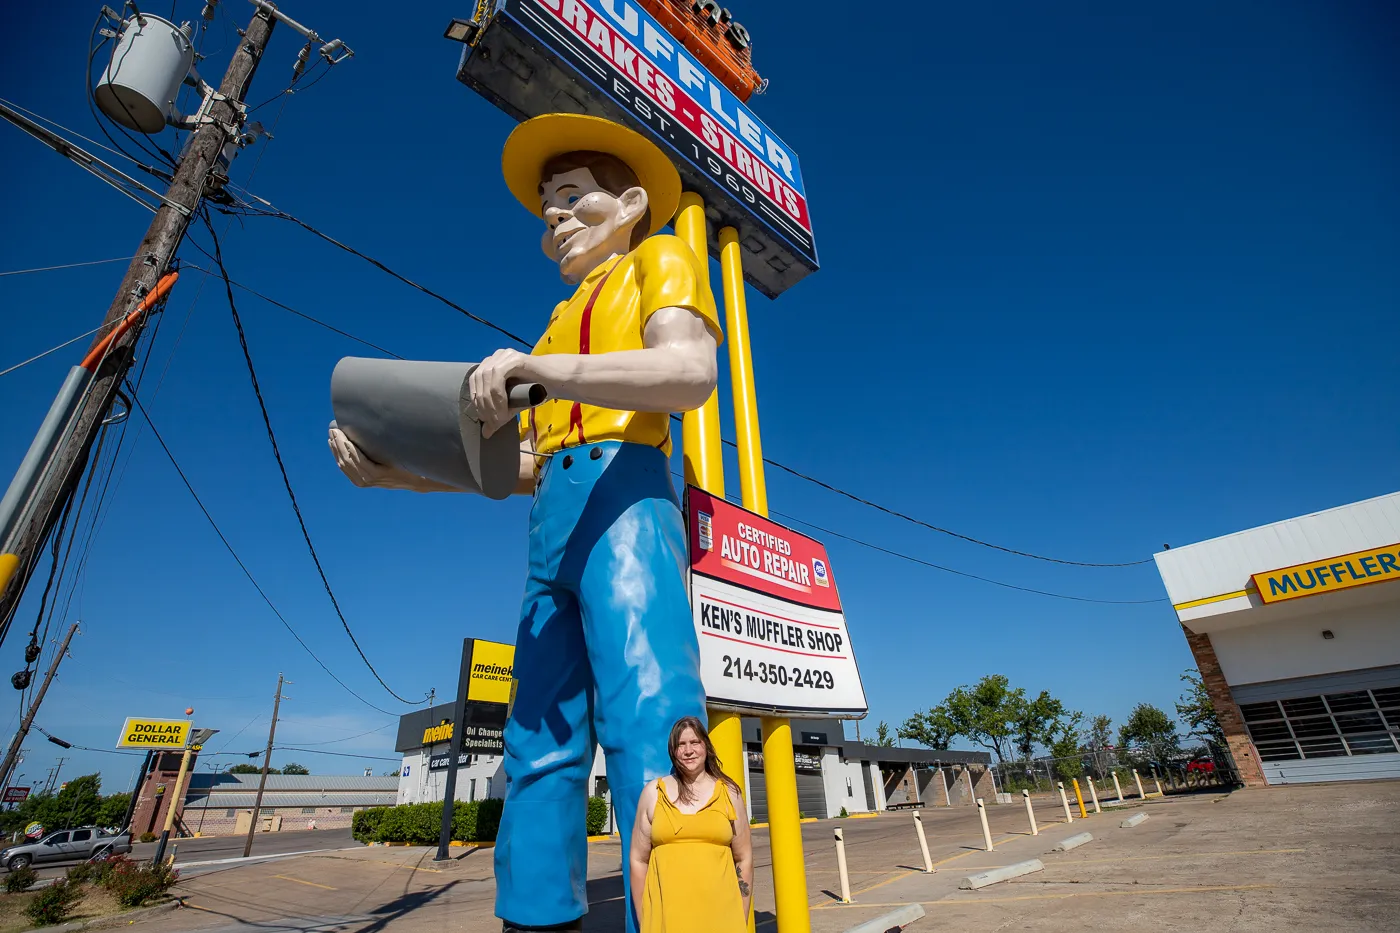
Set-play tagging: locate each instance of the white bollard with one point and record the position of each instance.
(923, 843)
(967, 773)
(1158, 781)
(841, 867)
(1030, 813)
(1069, 817)
(986, 830)
(1094, 793)
(1118, 787)
(1138, 780)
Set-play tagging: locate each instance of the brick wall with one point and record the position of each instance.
(216, 822)
(1226, 710)
(149, 815)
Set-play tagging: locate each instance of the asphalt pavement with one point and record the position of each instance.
(194, 856)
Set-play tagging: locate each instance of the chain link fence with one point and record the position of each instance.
(1185, 767)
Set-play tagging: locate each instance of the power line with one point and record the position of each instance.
(71, 265)
(312, 751)
(963, 573)
(135, 400)
(348, 738)
(282, 468)
(283, 215)
(301, 314)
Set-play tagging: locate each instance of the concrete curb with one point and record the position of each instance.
(995, 875)
(1132, 821)
(1073, 842)
(117, 919)
(895, 918)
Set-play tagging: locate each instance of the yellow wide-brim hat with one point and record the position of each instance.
(539, 139)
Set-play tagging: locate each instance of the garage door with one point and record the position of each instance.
(1335, 727)
(811, 796)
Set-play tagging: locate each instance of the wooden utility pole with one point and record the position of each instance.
(188, 186)
(28, 720)
(267, 763)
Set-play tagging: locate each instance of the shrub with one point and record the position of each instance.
(365, 824)
(597, 815)
(132, 884)
(20, 879)
(148, 837)
(843, 812)
(82, 872)
(488, 819)
(105, 868)
(54, 903)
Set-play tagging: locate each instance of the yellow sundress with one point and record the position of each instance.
(691, 883)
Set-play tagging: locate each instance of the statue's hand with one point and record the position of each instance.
(488, 383)
(360, 469)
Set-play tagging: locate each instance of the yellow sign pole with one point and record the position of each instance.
(700, 443)
(779, 768)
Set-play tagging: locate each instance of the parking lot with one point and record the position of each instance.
(1302, 858)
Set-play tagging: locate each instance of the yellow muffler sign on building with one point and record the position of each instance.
(155, 733)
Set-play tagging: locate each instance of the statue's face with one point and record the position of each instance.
(586, 225)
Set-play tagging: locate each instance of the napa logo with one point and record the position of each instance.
(1334, 573)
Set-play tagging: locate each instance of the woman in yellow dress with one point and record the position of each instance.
(692, 859)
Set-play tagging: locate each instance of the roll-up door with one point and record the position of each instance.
(869, 785)
(1333, 727)
(811, 795)
(758, 792)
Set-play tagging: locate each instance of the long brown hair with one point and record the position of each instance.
(712, 762)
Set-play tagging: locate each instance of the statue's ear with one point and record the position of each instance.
(634, 203)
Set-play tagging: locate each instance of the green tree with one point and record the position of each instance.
(251, 769)
(1152, 731)
(1065, 748)
(1039, 722)
(1197, 711)
(113, 810)
(883, 738)
(77, 804)
(1098, 738)
(984, 714)
(292, 767)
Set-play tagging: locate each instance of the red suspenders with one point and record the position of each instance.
(585, 339)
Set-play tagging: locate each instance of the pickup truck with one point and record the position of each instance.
(66, 845)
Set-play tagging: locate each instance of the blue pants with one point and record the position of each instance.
(606, 652)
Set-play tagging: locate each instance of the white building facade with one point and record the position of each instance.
(832, 773)
(1296, 630)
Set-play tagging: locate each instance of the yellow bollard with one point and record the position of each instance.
(1030, 813)
(785, 828)
(923, 843)
(841, 867)
(1069, 817)
(1158, 781)
(1083, 814)
(986, 830)
(701, 450)
(1094, 793)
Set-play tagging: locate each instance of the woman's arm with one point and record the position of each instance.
(641, 846)
(742, 846)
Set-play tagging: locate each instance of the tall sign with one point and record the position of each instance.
(768, 616)
(612, 59)
(154, 733)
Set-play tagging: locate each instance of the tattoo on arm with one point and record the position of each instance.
(743, 885)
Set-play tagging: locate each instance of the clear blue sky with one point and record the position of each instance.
(1123, 277)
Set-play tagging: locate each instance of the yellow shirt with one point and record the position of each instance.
(663, 272)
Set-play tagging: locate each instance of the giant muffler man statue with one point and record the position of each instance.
(606, 646)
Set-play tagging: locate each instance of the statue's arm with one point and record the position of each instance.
(675, 371)
(364, 472)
